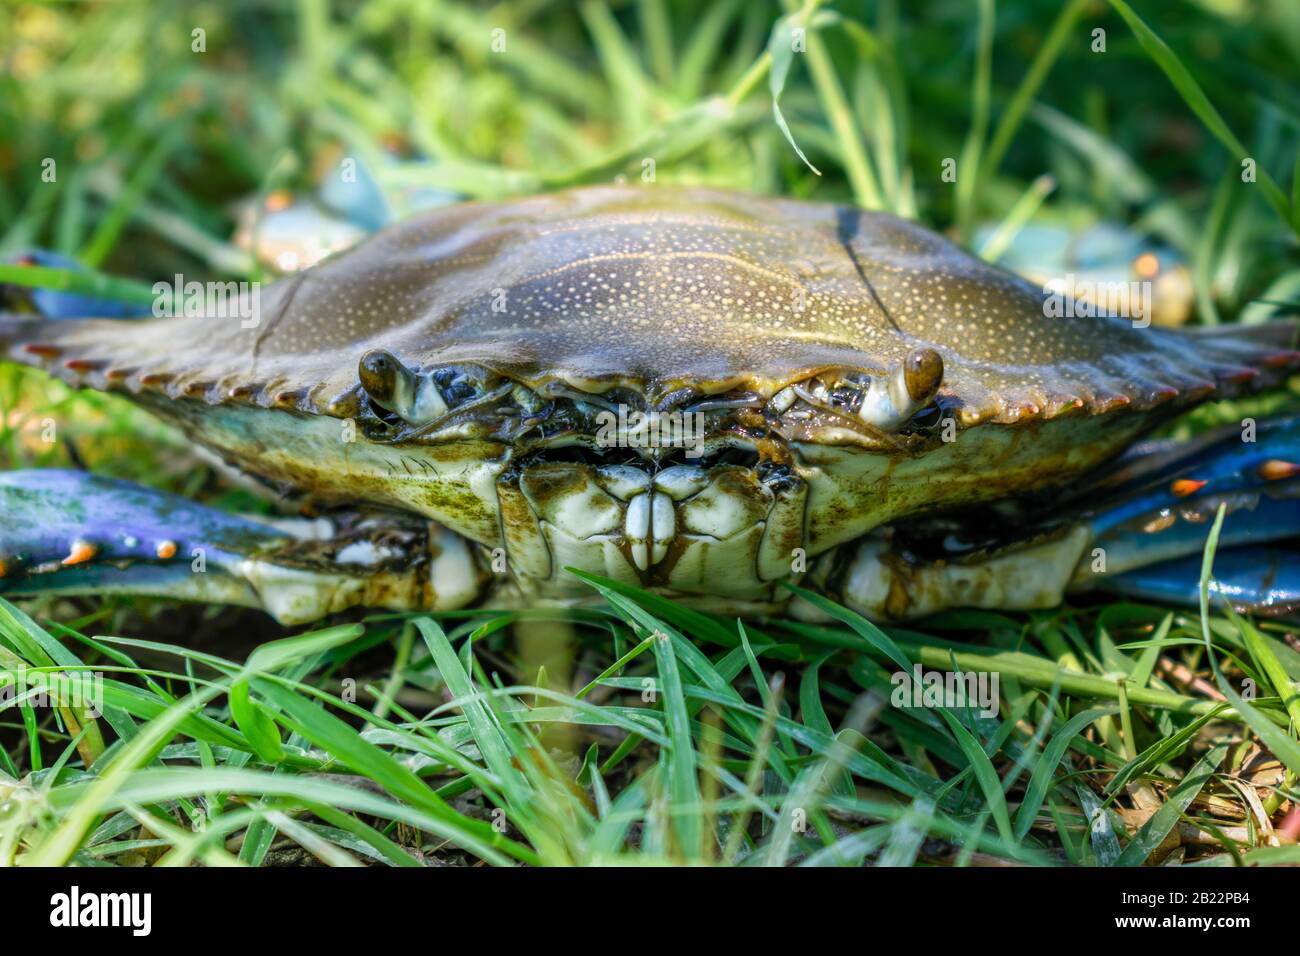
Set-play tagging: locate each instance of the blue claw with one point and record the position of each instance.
(74, 532)
(1153, 478)
(1160, 501)
(1175, 532)
(70, 532)
(53, 304)
(1259, 580)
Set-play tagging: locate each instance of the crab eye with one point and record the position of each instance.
(922, 374)
(901, 392)
(377, 371)
(391, 385)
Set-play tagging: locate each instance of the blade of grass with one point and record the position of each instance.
(1195, 98)
(683, 781)
(736, 832)
(1268, 663)
(657, 31)
(1014, 112)
(968, 169)
(857, 165)
(985, 775)
(80, 282)
(105, 236)
(1023, 210)
(58, 847)
(1040, 779)
(1284, 747)
(347, 746)
(780, 52)
(907, 834)
(1154, 831)
(1101, 829)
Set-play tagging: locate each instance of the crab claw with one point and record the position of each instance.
(1260, 580)
(70, 532)
(391, 385)
(1158, 475)
(1138, 529)
(893, 398)
(1160, 499)
(1149, 530)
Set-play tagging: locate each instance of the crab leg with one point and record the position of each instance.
(885, 586)
(1138, 530)
(1161, 501)
(1262, 580)
(71, 532)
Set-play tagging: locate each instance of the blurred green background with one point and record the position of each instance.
(156, 145)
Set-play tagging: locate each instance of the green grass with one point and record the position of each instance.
(687, 742)
(636, 730)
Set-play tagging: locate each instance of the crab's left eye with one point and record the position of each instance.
(903, 390)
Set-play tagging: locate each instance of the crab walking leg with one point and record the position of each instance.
(885, 587)
(71, 532)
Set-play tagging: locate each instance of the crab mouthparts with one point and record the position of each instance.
(689, 527)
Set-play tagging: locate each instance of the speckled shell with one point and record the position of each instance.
(659, 288)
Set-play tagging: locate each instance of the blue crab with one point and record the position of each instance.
(702, 393)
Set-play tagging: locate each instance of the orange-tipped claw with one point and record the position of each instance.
(1187, 486)
(1275, 469)
(81, 552)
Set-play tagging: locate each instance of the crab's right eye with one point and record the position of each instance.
(886, 400)
(922, 374)
(378, 372)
